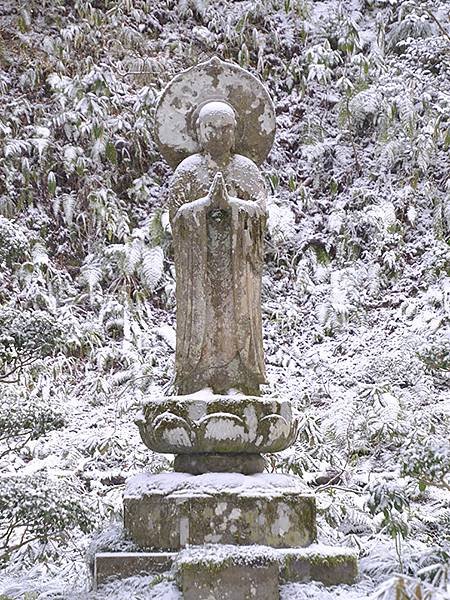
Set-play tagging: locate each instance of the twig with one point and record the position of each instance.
(441, 27)
(441, 484)
(17, 546)
(18, 364)
(323, 488)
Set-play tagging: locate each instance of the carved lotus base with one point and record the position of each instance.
(206, 423)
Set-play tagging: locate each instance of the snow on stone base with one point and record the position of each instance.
(317, 562)
(221, 508)
(211, 483)
(195, 566)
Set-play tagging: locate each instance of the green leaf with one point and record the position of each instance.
(111, 153)
(333, 187)
(51, 183)
(447, 139)
(241, 24)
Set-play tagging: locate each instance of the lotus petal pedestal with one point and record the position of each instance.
(218, 510)
(216, 433)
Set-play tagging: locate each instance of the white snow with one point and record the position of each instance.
(210, 483)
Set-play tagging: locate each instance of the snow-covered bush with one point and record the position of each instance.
(38, 508)
(26, 336)
(14, 245)
(429, 463)
(24, 418)
(436, 354)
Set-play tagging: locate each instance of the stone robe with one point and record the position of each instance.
(218, 250)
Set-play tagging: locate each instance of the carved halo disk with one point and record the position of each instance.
(214, 81)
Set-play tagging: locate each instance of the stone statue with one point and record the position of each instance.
(214, 124)
(217, 208)
(217, 202)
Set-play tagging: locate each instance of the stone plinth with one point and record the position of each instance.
(263, 568)
(229, 581)
(171, 510)
(111, 565)
(327, 564)
(227, 572)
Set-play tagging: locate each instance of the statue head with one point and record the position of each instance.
(216, 126)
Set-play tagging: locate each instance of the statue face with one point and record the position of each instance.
(216, 128)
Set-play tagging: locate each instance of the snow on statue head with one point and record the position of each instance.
(216, 128)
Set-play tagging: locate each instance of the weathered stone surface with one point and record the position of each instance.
(210, 423)
(230, 583)
(216, 119)
(210, 574)
(179, 105)
(198, 464)
(218, 236)
(319, 563)
(329, 565)
(114, 565)
(170, 511)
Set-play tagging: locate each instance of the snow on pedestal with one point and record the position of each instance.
(224, 508)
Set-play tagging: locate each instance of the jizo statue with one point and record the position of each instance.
(215, 123)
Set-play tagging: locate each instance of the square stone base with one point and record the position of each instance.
(170, 511)
(233, 582)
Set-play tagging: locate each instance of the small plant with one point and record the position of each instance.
(437, 356)
(391, 501)
(25, 337)
(14, 245)
(429, 463)
(23, 418)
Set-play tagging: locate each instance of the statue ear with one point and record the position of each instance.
(197, 129)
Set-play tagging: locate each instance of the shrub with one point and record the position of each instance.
(39, 508)
(23, 419)
(26, 336)
(13, 243)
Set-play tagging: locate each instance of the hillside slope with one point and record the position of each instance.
(356, 295)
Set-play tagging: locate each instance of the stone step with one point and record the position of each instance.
(120, 565)
(226, 572)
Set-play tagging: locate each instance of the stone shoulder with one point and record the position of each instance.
(244, 162)
(189, 165)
